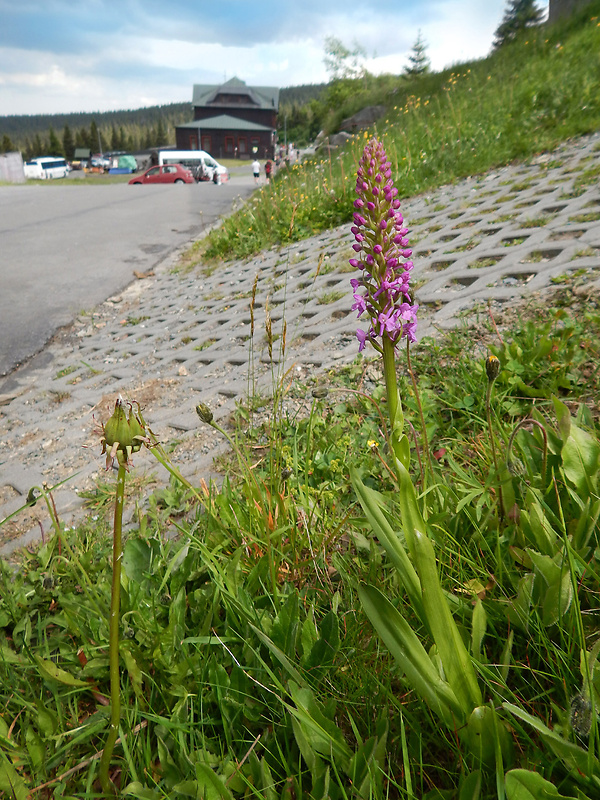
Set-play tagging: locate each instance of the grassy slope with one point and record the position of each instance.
(524, 99)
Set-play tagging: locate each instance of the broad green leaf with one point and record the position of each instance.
(11, 783)
(546, 567)
(285, 627)
(573, 756)
(543, 534)
(557, 599)
(471, 787)
(8, 656)
(521, 784)
(49, 671)
(487, 738)
(580, 455)
(324, 650)
(372, 505)
(410, 515)
(36, 749)
(135, 673)
(210, 785)
(137, 558)
(139, 791)
(280, 656)
(309, 634)
(520, 610)
(322, 734)
(458, 667)
(403, 644)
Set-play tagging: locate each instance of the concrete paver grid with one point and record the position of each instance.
(176, 339)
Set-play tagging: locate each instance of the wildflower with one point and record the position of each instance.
(204, 413)
(122, 435)
(381, 247)
(492, 368)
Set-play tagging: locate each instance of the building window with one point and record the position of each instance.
(242, 146)
(193, 141)
(229, 145)
(207, 143)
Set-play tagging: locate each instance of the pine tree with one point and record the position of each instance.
(38, 146)
(81, 139)
(7, 145)
(54, 145)
(114, 139)
(68, 143)
(94, 138)
(161, 133)
(419, 61)
(519, 15)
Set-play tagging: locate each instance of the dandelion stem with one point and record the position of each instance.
(108, 786)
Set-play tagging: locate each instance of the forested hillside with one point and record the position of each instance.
(132, 129)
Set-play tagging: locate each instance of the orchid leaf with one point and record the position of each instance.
(458, 666)
(405, 647)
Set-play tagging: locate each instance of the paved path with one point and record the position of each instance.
(177, 339)
(68, 247)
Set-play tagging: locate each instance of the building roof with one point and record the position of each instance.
(264, 97)
(225, 122)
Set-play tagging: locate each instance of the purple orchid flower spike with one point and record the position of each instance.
(381, 248)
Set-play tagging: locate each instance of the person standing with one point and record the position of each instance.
(268, 170)
(256, 170)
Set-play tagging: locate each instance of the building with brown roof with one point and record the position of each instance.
(232, 121)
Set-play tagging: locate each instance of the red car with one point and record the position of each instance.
(168, 173)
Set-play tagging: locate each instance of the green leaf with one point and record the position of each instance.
(12, 783)
(325, 648)
(410, 514)
(321, 733)
(50, 672)
(471, 787)
(521, 784)
(285, 627)
(458, 667)
(280, 656)
(135, 673)
(572, 756)
(210, 785)
(478, 628)
(36, 749)
(405, 647)
(580, 455)
(137, 558)
(372, 505)
(557, 600)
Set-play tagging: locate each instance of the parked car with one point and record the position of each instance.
(167, 173)
(202, 164)
(100, 161)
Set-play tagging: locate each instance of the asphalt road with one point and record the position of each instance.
(65, 248)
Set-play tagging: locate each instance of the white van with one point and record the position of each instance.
(203, 166)
(46, 167)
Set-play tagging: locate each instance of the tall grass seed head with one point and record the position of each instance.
(382, 291)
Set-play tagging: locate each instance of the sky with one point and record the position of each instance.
(65, 56)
